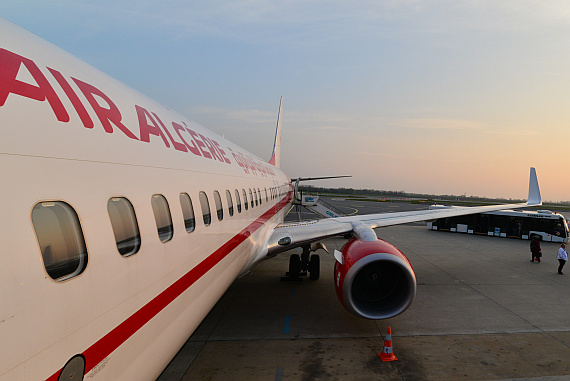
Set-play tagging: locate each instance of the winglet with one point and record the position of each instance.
(276, 155)
(533, 189)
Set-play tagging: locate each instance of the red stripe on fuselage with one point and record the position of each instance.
(111, 341)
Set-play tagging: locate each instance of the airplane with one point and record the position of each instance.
(125, 222)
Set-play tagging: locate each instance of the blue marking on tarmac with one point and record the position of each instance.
(279, 374)
(287, 324)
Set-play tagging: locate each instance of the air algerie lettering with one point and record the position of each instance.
(177, 136)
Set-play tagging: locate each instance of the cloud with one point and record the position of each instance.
(321, 16)
(250, 115)
(297, 22)
(439, 124)
(516, 133)
(313, 120)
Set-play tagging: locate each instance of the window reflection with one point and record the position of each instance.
(205, 208)
(245, 199)
(125, 226)
(219, 207)
(60, 238)
(187, 212)
(162, 216)
(238, 201)
(230, 202)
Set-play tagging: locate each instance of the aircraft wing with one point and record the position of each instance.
(290, 235)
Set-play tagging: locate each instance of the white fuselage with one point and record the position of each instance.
(127, 315)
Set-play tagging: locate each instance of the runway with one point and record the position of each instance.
(482, 312)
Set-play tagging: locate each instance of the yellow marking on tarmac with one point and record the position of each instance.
(350, 214)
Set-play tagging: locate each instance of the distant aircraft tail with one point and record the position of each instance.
(534, 197)
(276, 155)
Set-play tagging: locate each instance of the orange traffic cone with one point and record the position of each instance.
(387, 354)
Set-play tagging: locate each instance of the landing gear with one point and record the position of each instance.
(294, 267)
(314, 267)
(301, 265)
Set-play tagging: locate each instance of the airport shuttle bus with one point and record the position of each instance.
(548, 226)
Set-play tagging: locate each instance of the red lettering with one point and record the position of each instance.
(221, 151)
(147, 129)
(238, 160)
(258, 166)
(200, 144)
(178, 146)
(81, 111)
(193, 148)
(105, 115)
(246, 162)
(177, 127)
(10, 64)
(251, 165)
(269, 171)
(211, 147)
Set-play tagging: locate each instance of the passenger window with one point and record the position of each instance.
(60, 238)
(205, 209)
(259, 196)
(251, 198)
(219, 207)
(125, 226)
(238, 201)
(187, 212)
(230, 202)
(162, 217)
(266, 196)
(245, 199)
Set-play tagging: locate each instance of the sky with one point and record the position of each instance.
(440, 96)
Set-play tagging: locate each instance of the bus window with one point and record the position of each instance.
(259, 196)
(205, 209)
(187, 212)
(559, 228)
(162, 217)
(238, 201)
(251, 198)
(219, 207)
(60, 238)
(230, 202)
(125, 226)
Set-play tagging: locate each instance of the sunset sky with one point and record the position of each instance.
(445, 97)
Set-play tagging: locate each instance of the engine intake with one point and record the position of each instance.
(375, 279)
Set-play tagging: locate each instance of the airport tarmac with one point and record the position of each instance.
(482, 312)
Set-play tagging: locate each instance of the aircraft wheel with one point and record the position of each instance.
(315, 267)
(294, 266)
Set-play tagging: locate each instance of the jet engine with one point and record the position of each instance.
(374, 279)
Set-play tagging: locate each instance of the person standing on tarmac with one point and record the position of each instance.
(562, 257)
(535, 249)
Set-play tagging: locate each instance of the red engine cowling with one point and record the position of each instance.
(375, 279)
